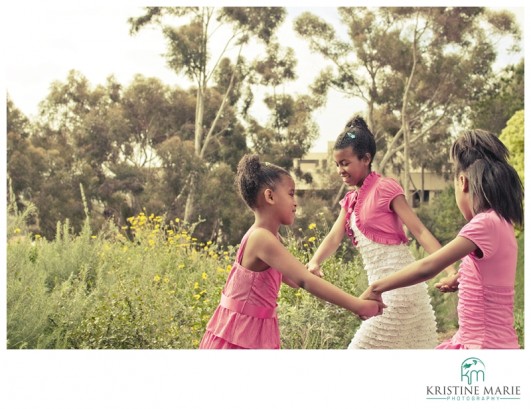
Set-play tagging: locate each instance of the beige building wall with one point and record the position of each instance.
(321, 164)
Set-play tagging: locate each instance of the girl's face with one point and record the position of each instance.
(462, 196)
(285, 200)
(351, 169)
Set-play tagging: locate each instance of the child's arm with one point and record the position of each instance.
(448, 284)
(287, 281)
(417, 228)
(424, 269)
(265, 246)
(329, 245)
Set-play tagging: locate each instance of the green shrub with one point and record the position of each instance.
(159, 290)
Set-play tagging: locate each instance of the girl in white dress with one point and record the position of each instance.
(373, 215)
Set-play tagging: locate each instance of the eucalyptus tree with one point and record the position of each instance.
(503, 96)
(190, 35)
(416, 69)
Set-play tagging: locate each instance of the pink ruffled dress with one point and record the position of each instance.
(375, 229)
(246, 317)
(486, 286)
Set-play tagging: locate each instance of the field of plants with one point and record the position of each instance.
(105, 291)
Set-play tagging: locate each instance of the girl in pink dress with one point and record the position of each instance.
(373, 215)
(489, 194)
(246, 315)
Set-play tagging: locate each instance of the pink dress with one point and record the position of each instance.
(486, 286)
(246, 317)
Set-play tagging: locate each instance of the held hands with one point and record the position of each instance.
(314, 268)
(375, 305)
(448, 284)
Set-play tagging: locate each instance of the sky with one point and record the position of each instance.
(43, 45)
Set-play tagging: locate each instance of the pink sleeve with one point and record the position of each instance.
(347, 200)
(480, 230)
(388, 189)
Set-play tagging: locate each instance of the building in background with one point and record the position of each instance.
(424, 185)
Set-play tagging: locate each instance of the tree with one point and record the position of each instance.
(513, 138)
(503, 96)
(190, 52)
(415, 69)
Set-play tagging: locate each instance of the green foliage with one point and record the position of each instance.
(159, 290)
(502, 97)
(442, 216)
(513, 138)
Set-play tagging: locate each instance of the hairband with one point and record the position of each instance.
(351, 135)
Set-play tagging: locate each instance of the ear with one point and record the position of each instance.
(463, 183)
(366, 158)
(268, 196)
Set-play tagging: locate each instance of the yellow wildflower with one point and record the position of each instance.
(312, 226)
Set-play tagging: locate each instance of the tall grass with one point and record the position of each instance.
(159, 290)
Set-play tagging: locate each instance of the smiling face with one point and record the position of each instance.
(351, 169)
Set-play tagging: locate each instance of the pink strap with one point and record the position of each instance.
(245, 308)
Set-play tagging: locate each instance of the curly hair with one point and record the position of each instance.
(358, 136)
(252, 175)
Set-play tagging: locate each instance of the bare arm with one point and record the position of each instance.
(273, 253)
(417, 228)
(426, 268)
(329, 245)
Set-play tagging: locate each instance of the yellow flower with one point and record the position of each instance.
(177, 220)
(196, 285)
(17, 230)
(311, 239)
(312, 226)
(156, 278)
(204, 276)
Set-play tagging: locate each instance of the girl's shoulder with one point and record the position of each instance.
(261, 235)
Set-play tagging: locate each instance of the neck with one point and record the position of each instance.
(264, 220)
(360, 184)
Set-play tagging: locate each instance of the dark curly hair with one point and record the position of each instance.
(358, 136)
(252, 175)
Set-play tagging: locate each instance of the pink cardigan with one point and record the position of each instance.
(371, 204)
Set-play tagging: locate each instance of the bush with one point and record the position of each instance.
(159, 290)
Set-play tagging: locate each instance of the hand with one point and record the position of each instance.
(314, 268)
(448, 284)
(370, 295)
(371, 308)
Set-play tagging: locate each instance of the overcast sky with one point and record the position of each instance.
(45, 40)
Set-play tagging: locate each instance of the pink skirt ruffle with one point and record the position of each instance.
(210, 341)
(449, 344)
